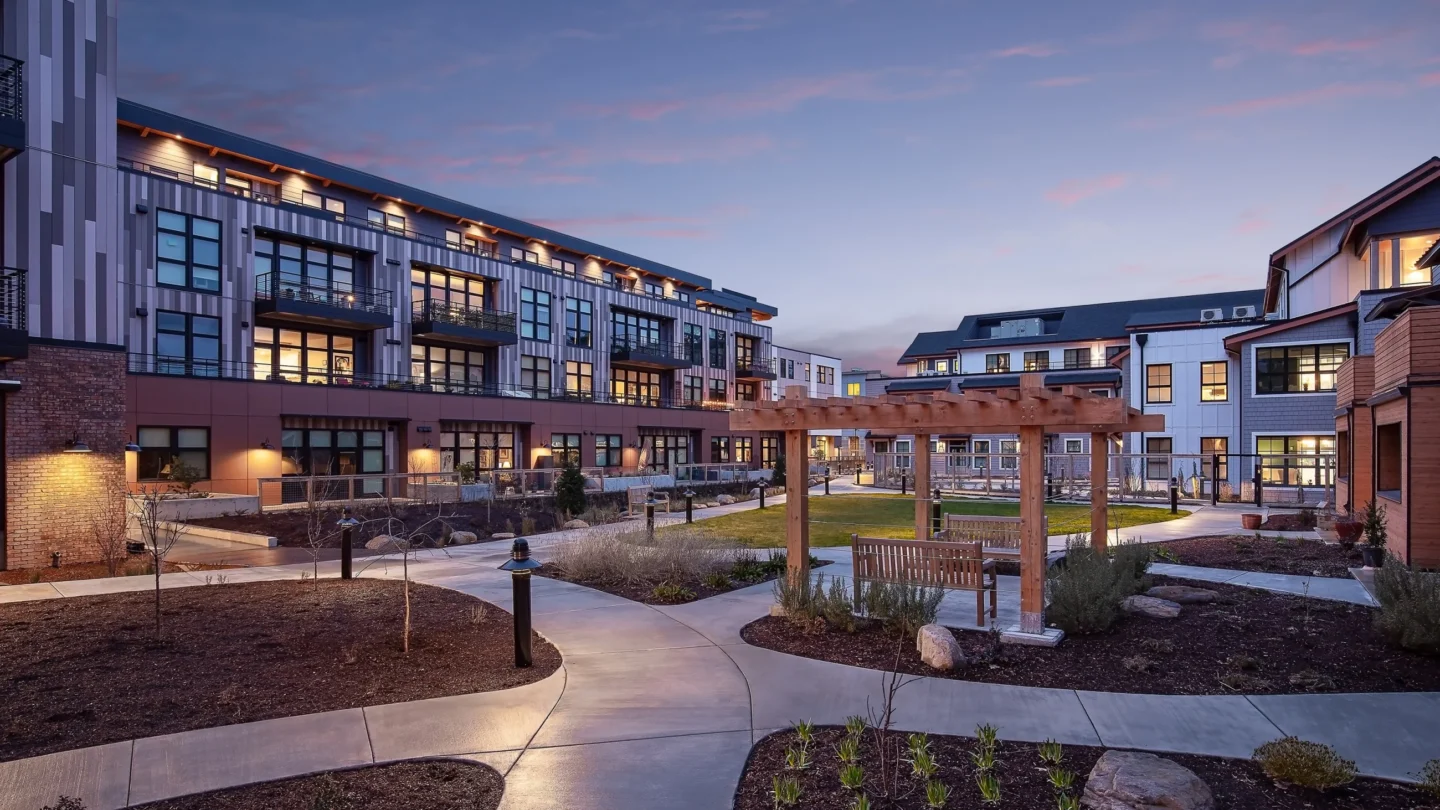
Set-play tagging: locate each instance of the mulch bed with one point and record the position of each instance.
(694, 589)
(1235, 784)
(1272, 555)
(1257, 640)
(88, 670)
(67, 573)
(438, 785)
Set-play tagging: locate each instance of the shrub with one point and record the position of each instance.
(1130, 562)
(65, 803)
(1429, 778)
(797, 596)
(570, 491)
(670, 593)
(718, 581)
(903, 608)
(1085, 593)
(837, 608)
(634, 558)
(777, 475)
(1294, 761)
(747, 567)
(1374, 527)
(1409, 607)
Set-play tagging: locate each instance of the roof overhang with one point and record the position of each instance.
(1232, 343)
(1396, 305)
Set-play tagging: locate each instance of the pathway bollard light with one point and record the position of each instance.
(690, 505)
(347, 526)
(762, 494)
(857, 474)
(650, 517)
(935, 520)
(1174, 496)
(902, 483)
(520, 565)
(827, 479)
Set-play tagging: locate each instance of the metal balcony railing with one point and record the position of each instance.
(461, 315)
(276, 285)
(12, 88)
(14, 307)
(661, 350)
(748, 366)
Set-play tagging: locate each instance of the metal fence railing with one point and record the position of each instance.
(431, 311)
(12, 88)
(276, 285)
(14, 303)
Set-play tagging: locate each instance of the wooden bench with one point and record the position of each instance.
(937, 563)
(637, 496)
(999, 537)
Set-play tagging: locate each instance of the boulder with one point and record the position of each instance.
(1150, 606)
(725, 500)
(938, 647)
(463, 538)
(503, 536)
(384, 542)
(1182, 594)
(576, 524)
(1130, 780)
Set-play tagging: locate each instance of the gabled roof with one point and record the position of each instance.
(929, 344)
(1232, 343)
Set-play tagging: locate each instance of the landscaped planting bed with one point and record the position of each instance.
(1250, 641)
(438, 785)
(89, 670)
(1274, 555)
(134, 567)
(1019, 773)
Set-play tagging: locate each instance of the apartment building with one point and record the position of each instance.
(818, 373)
(200, 297)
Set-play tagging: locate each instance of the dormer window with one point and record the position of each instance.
(1392, 261)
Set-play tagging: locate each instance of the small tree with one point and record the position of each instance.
(110, 521)
(777, 475)
(406, 540)
(1376, 534)
(318, 528)
(185, 476)
(570, 491)
(159, 536)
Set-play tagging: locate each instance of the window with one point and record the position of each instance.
(452, 239)
(207, 176)
(1214, 381)
(694, 348)
(719, 449)
(333, 452)
(1344, 447)
(523, 255)
(852, 389)
(535, 375)
(902, 454)
(1102, 392)
(1112, 351)
(1295, 460)
(635, 387)
(982, 453)
(1157, 457)
(807, 372)
(534, 315)
(579, 380)
(746, 349)
(744, 450)
(655, 290)
(769, 451)
(694, 391)
(1009, 449)
(187, 344)
(1037, 361)
(746, 392)
(1395, 259)
(161, 448)
(331, 204)
(1211, 447)
(609, 452)
(717, 348)
(664, 451)
(579, 322)
(454, 370)
(565, 449)
(1298, 369)
(827, 375)
(238, 184)
(295, 355)
(187, 252)
(717, 391)
(446, 293)
(490, 449)
(563, 266)
(296, 268)
(996, 363)
(1389, 472)
(386, 220)
(1074, 445)
(1157, 384)
(631, 330)
(1077, 358)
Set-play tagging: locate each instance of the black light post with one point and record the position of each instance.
(1174, 495)
(347, 526)
(650, 516)
(762, 494)
(935, 519)
(902, 483)
(827, 479)
(690, 504)
(857, 474)
(520, 565)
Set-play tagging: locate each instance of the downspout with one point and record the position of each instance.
(1140, 340)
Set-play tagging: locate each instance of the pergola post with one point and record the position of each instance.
(797, 505)
(1099, 490)
(1032, 529)
(922, 486)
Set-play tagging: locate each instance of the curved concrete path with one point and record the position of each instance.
(657, 707)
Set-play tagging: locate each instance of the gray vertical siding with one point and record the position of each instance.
(1290, 415)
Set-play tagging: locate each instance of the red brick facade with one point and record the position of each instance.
(65, 392)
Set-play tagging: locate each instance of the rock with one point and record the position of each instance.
(778, 611)
(1150, 606)
(576, 524)
(938, 647)
(503, 536)
(1182, 594)
(384, 542)
(463, 538)
(725, 500)
(1130, 780)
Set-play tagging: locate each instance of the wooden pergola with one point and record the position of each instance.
(1031, 410)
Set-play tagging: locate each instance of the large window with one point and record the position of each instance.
(481, 450)
(995, 363)
(1077, 358)
(523, 255)
(299, 356)
(1037, 361)
(694, 344)
(631, 386)
(852, 389)
(1215, 381)
(454, 369)
(187, 252)
(719, 449)
(534, 314)
(663, 451)
(161, 448)
(579, 322)
(447, 290)
(769, 451)
(332, 452)
(386, 220)
(1392, 260)
(632, 330)
(827, 375)
(744, 449)
(301, 266)
(187, 344)
(579, 380)
(1158, 389)
(565, 449)
(746, 392)
(535, 376)
(694, 390)
(1157, 457)
(717, 348)
(609, 451)
(1298, 369)
(717, 391)
(1211, 447)
(746, 350)
(334, 205)
(1296, 460)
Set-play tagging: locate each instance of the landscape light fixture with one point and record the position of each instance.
(265, 444)
(347, 526)
(74, 445)
(520, 565)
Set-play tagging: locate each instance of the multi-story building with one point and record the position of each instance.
(250, 311)
(818, 374)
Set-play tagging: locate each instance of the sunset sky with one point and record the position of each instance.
(873, 169)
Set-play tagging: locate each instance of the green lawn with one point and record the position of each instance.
(833, 519)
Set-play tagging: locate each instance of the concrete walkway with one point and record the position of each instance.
(657, 707)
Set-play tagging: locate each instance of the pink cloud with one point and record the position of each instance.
(1036, 50)
(1429, 80)
(1062, 81)
(1227, 61)
(1321, 47)
(1074, 190)
(1303, 98)
(1251, 221)
(634, 110)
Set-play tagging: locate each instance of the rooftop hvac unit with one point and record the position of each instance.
(1216, 314)
(1245, 312)
(1026, 327)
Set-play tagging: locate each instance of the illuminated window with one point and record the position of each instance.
(1298, 369)
(1214, 381)
(1157, 457)
(162, 448)
(535, 376)
(1210, 448)
(1296, 460)
(207, 176)
(1037, 361)
(579, 380)
(1157, 384)
(997, 363)
(565, 449)
(852, 389)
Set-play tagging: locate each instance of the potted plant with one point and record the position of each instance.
(1250, 521)
(1347, 531)
(1373, 551)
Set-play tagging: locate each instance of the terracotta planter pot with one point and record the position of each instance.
(1250, 521)
(1348, 530)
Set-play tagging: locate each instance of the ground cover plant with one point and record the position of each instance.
(1260, 552)
(89, 670)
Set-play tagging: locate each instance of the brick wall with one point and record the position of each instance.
(50, 495)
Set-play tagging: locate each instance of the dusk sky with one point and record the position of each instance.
(873, 169)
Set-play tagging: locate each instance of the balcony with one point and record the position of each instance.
(14, 328)
(439, 322)
(646, 354)
(12, 108)
(291, 298)
(754, 368)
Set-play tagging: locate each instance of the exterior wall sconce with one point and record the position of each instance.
(132, 447)
(74, 445)
(266, 445)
